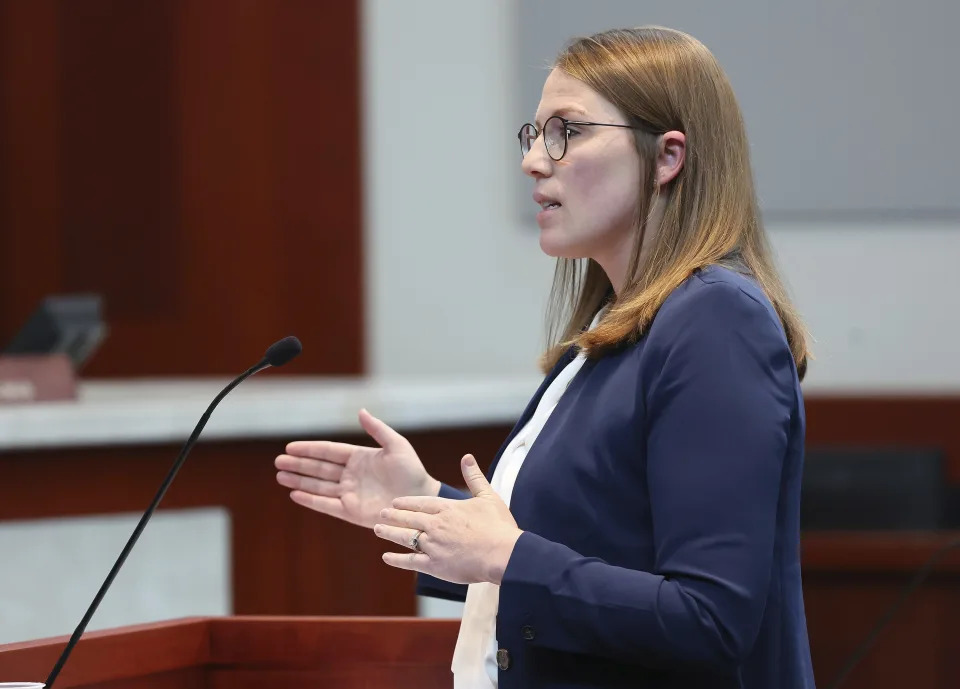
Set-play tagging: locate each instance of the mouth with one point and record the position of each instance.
(545, 202)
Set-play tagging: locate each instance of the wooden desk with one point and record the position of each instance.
(247, 653)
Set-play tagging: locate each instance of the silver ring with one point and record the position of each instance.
(415, 542)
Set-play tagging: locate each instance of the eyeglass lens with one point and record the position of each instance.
(554, 137)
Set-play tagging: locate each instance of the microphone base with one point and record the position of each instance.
(26, 378)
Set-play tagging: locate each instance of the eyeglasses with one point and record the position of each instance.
(557, 131)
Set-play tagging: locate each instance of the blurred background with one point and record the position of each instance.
(223, 173)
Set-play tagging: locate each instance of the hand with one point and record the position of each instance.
(352, 482)
(463, 541)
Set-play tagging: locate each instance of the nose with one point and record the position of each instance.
(537, 163)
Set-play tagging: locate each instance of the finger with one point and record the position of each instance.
(399, 535)
(476, 481)
(319, 503)
(418, 562)
(317, 468)
(421, 503)
(385, 436)
(411, 520)
(305, 484)
(330, 451)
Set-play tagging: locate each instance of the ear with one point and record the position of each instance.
(672, 153)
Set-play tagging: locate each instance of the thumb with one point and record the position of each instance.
(476, 481)
(385, 436)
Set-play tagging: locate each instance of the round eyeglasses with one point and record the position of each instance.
(557, 131)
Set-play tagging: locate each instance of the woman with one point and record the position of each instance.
(642, 526)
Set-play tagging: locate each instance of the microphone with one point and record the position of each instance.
(282, 351)
(278, 354)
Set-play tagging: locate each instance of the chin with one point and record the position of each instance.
(552, 243)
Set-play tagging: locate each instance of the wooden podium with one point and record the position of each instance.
(248, 653)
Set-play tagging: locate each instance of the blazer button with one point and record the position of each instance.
(503, 659)
(528, 632)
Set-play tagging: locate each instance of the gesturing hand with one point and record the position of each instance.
(352, 482)
(463, 541)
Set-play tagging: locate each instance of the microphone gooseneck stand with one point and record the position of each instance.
(277, 355)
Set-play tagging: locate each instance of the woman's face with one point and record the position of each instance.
(596, 184)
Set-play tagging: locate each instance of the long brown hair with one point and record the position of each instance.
(668, 79)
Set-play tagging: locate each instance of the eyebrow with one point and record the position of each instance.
(562, 112)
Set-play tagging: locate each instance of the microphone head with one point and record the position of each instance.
(282, 351)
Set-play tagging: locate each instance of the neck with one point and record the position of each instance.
(616, 266)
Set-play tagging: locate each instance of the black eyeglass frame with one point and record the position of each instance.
(566, 134)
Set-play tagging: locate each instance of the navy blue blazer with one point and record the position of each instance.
(661, 510)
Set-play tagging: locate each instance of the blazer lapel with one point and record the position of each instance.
(567, 357)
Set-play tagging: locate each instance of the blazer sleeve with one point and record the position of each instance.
(432, 586)
(719, 405)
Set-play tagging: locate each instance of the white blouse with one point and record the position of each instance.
(474, 659)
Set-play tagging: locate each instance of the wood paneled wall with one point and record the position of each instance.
(285, 559)
(289, 561)
(196, 162)
(929, 422)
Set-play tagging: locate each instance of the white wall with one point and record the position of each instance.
(881, 301)
(456, 282)
(51, 570)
